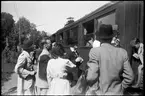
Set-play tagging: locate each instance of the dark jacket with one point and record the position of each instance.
(73, 73)
(41, 76)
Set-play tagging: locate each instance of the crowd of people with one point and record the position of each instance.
(52, 71)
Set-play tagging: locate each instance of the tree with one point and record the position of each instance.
(39, 38)
(13, 40)
(44, 34)
(7, 24)
(23, 26)
(33, 26)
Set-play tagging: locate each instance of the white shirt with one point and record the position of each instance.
(96, 43)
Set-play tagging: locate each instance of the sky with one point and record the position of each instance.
(50, 16)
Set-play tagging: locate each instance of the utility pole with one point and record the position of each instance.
(19, 34)
(19, 24)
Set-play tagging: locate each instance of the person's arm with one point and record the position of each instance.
(141, 53)
(128, 75)
(79, 59)
(93, 66)
(70, 64)
(71, 57)
(48, 72)
(19, 68)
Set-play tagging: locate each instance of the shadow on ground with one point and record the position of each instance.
(134, 91)
(7, 71)
(11, 91)
(6, 74)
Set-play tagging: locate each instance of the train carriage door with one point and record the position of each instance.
(141, 19)
(127, 16)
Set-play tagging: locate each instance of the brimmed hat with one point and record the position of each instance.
(28, 45)
(105, 32)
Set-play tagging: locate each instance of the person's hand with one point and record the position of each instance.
(79, 59)
(72, 49)
(140, 67)
(73, 65)
(136, 56)
(31, 53)
(70, 64)
(32, 72)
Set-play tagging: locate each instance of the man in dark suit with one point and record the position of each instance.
(109, 70)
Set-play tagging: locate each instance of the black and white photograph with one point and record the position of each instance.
(72, 48)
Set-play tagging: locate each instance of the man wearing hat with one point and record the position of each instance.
(24, 70)
(109, 70)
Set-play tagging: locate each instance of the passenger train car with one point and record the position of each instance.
(127, 15)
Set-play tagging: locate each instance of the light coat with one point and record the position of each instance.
(109, 69)
(24, 87)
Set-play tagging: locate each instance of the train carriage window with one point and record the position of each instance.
(88, 27)
(72, 36)
(53, 38)
(88, 32)
(109, 19)
(61, 38)
(67, 37)
(85, 31)
(75, 34)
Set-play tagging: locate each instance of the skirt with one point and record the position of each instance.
(59, 87)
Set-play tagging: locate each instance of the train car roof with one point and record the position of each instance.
(88, 15)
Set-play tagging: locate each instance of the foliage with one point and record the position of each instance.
(11, 30)
(24, 27)
(7, 24)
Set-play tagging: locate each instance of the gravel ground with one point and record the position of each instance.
(9, 87)
(9, 82)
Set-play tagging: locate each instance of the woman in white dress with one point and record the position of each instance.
(56, 72)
